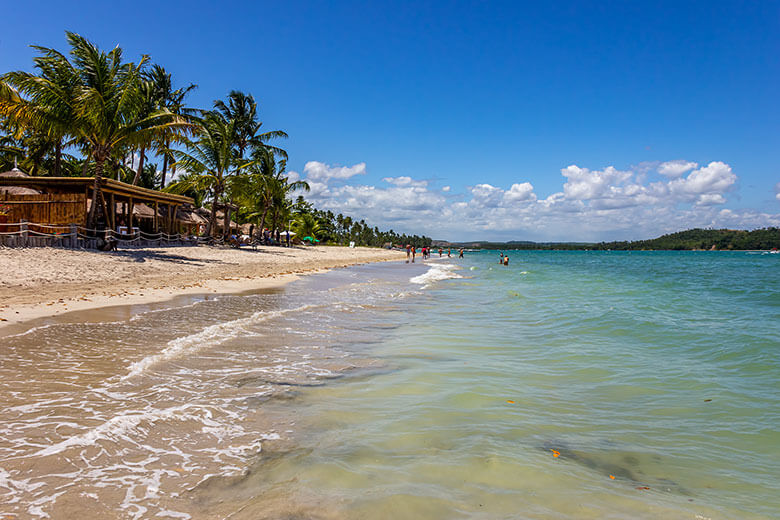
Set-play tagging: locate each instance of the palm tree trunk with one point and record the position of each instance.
(140, 165)
(213, 218)
(96, 193)
(262, 219)
(57, 157)
(226, 224)
(165, 165)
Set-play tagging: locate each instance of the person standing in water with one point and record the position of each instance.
(460, 253)
(501, 258)
(506, 259)
(414, 251)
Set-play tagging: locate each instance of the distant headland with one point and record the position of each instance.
(691, 239)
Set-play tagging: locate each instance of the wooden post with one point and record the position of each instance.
(156, 223)
(112, 218)
(174, 227)
(23, 229)
(130, 216)
(74, 236)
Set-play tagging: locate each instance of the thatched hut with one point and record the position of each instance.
(16, 190)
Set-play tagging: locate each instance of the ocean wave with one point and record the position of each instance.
(210, 336)
(436, 273)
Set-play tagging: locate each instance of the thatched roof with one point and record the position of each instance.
(190, 215)
(140, 210)
(16, 190)
(15, 172)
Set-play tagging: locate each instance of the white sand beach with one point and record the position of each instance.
(42, 282)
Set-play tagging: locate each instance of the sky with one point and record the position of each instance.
(573, 121)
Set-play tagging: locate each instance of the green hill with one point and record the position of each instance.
(728, 239)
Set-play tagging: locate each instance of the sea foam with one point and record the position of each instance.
(210, 336)
(436, 273)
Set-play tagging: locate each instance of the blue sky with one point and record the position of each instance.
(466, 120)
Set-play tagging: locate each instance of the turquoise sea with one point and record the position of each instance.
(579, 385)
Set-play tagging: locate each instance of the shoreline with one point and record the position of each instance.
(38, 284)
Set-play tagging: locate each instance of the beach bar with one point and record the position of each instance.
(38, 209)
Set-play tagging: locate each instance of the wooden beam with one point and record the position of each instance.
(112, 219)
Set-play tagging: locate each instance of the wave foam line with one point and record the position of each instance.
(436, 273)
(120, 426)
(210, 336)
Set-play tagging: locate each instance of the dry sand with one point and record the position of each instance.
(43, 282)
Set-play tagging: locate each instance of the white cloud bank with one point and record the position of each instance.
(608, 204)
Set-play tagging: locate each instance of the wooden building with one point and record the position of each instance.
(57, 201)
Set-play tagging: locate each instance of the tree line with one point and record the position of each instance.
(691, 239)
(89, 112)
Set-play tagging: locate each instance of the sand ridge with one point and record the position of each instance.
(42, 282)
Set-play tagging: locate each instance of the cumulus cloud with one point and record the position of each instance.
(520, 193)
(702, 185)
(640, 202)
(675, 169)
(317, 171)
(777, 191)
(404, 181)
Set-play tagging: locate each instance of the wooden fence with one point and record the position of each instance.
(52, 208)
(29, 234)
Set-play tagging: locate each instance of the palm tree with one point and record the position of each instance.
(242, 108)
(173, 100)
(48, 113)
(306, 226)
(105, 106)
(209, 160)
(264, 188)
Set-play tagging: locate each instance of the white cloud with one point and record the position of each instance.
(404, 181)
(584, 184)
(777, 191)
(674, 169)
(318, 171)
(605, 204)
(701, 185)
(520, 193)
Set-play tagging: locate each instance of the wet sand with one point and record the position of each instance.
(44, 282)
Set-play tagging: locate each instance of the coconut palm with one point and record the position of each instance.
(209, 160)
(242, 108)
(48, 111)
(105, 107)
(306, 226)
(173, 100)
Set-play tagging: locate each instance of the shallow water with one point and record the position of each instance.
(457, 389)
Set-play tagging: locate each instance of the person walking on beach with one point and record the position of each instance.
(414, 251)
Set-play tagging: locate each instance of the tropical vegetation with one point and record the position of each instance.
(691, 239)
(88, 112)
